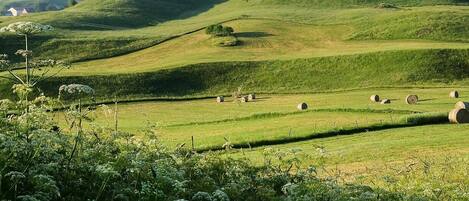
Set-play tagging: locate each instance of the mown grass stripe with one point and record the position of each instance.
(283, 114)
(413, 120)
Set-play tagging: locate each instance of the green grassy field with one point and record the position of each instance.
(305, 44)
(417, 68)
(417, 159)
(381, 147)
(155, 57)
(81, 36)
(271, 117)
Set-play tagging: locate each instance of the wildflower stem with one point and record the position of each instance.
(27, 60)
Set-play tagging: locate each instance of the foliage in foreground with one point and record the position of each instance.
(40, 161)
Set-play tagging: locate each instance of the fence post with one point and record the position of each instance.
(116, 120)
(193, 146)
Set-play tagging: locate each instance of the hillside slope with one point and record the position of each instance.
(355, 3)
(92, 23)
(381, 69)
(284, 47)
(124, 14)
(36, 4)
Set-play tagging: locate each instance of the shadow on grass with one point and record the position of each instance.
(414, 120)
(428, 99)
(90, 15)
(253, 34)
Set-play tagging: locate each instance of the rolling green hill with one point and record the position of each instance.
(85, 28)
(385, 47)
(381, 69)
(35, 4)
(156, 60)
(360, 3)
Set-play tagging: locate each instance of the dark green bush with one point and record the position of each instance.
(219, 30)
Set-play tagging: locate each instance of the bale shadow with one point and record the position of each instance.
(263, 98)
(428, 99)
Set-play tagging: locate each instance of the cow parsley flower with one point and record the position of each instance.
(49, 63)
(26, 28)
(24, 53)
(76, 89)
(4, 62)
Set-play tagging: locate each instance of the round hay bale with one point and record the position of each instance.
(412, 99)
(386, 101)
(220, 99)
(244, 99)
(252, 97)
(454, 94)
(302, 106)
(462, 105)
(459, 116)
(375, 98)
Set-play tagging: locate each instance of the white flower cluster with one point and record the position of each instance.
(49, 63)
(76, 89)
(26, 28)
(4, 62)
(24, 53)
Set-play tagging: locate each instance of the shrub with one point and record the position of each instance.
(219, 30)
(202, 196)
(227, 41)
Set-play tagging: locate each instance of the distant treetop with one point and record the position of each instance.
(219, 30)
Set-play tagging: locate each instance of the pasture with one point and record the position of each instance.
(167, 135)
(272, 117)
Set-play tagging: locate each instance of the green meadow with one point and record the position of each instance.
(156, 71)
(271, 117)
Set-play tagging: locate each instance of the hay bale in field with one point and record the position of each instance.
(412, 99)
(462, 105)
(459, 116)
(454, 94)
(244, 99)
(385, 101)
(220, 99)
(302, 106)
(375, 98)
(251, 97)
